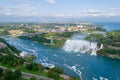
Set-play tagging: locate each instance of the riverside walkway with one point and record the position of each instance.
(29, 75)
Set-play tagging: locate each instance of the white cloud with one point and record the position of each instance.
(59, 15)
(112, 9)
(97, 13)
(92, 11)
(23, 10)
(112, 15)
(63, 15)
(29, 10)
(22, 1)
(51, 1)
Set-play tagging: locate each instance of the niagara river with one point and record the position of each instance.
(77, 64)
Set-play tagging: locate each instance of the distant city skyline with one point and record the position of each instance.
(59, 10)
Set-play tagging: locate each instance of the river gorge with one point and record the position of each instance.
(73, 60)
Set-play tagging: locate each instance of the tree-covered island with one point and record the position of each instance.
(111, 42)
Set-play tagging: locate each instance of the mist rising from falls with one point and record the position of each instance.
(78, 44)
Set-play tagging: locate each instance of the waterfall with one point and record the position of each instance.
(76, 44)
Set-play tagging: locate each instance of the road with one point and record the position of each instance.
(29, 75)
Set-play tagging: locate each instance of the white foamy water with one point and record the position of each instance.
(83, 46)
(74, 68)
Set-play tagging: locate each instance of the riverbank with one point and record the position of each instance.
(52, 39)
(111, 42)
(11, 60)
(109, 52)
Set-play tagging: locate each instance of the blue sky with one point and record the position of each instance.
(59, 10)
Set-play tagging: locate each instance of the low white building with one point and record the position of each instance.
(2, 45)
(23, 54)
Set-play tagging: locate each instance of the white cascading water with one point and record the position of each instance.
(76, 44)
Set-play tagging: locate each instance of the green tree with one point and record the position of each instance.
(33, 78)
(29, 66)
(1, 72)
(8, 75)
(2, 78)
(58, 70)
(40, 67)
(54, 75)
(17, 74)
(32, 66)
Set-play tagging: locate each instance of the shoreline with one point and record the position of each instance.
(99, 52)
